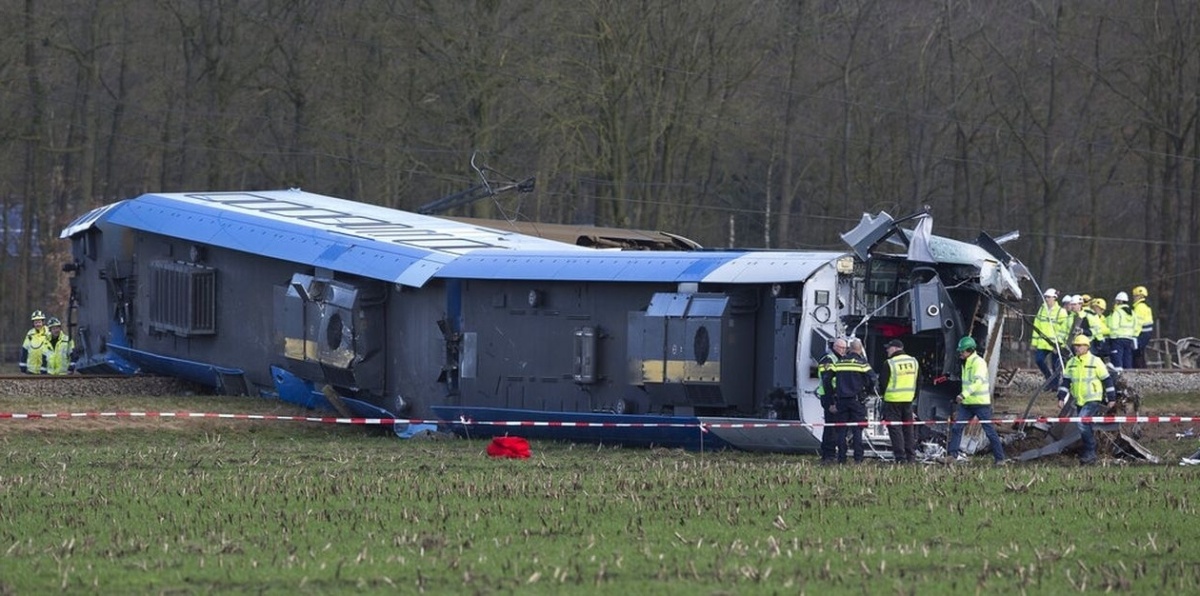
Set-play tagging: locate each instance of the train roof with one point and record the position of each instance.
(635, 266)
(317, 230)
(409, 249)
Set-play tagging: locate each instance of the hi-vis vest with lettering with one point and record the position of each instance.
(902, 379)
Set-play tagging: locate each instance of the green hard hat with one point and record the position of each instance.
(966, 343)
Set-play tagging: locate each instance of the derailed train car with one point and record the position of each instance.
(383, 313)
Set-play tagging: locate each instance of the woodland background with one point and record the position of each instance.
(771, 123)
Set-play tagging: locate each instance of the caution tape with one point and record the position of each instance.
(704, 426)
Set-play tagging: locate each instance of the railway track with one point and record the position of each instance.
(72, 378)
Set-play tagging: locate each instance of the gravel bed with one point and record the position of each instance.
(83, 386)
(1145, 381)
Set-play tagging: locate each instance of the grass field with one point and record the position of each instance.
(197, 506)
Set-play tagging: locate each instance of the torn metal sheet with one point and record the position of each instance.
(1053, 448)
(1068, 435)
(1132, 448)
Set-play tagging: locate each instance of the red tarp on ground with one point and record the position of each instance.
(514, 447)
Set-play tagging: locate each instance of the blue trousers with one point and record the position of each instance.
(850, 410)
(962, 416)
(1122, 355)
(1047, 362)
(1091, 408)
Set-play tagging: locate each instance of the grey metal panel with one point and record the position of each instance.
(666, 304)
(585, 356)
(742, 433)
(927, 306)
(708, 306)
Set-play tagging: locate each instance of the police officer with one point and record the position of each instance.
(853, 378)
(59, 348)
(825, 391)
(975, 400)
(1086, 378)
(1144, 316)
(898, 401)
(33, 349)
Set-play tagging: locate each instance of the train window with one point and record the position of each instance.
(883, 277)
(183, 298)
(88, 243)
(701, 345)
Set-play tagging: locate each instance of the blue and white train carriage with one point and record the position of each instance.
(378, 312)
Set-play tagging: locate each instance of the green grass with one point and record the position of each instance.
(173, 506)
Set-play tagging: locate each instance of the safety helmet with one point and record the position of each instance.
(966, 343)
(1122, 297)
(1051, 293)
(1081, 340)
(1099, 304)
(1086, 298)
(37, 316)
(53, 322)
(1140, 292)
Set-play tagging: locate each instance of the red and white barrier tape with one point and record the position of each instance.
(570, 424)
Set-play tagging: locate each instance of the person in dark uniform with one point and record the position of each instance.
(852, 380)
(825, 391)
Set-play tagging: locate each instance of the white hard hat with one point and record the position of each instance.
(1069, 299)
(1052, 293)
(1122, 297)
